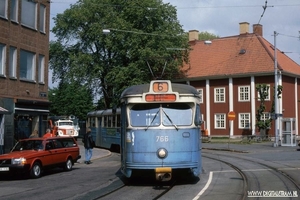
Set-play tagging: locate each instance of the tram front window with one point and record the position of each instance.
(177, 114)
(145, 115)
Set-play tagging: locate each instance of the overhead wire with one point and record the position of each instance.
(265, 6)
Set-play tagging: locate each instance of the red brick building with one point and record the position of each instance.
(24, 56)
(226, 71)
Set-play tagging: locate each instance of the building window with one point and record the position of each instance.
(12, 62)
(27, 65)
(244, 120)
(267, 94)
(3, 9)
(244, 93)
(14, 10)
(42, 18)
(2, 59)
(220, 121)
(219, 94)
(41, 69)
(28, 14)
(266, 116)
(200, 95)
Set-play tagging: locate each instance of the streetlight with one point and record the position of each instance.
(105, 31)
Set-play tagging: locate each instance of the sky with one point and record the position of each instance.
(222, 18)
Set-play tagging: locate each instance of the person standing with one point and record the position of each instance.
(88, 146)
(48, 134)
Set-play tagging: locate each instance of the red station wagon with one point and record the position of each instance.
(35, 154)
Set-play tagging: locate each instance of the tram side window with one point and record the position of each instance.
(118, 121)
(198, 116)
(172, 111)
(145, 115)
(105, 121)
(92, 122)
(109, 118)
(114, 120)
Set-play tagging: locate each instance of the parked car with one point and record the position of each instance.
(33, 155)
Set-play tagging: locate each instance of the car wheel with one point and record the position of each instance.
(68, 165)
(36, 170)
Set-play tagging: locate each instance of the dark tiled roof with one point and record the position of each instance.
(241, 55)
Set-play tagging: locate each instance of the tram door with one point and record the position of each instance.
(288, 132)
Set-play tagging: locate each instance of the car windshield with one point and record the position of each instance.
(65, 123)
(28, 145)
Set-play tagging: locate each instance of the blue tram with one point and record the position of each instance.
(160, 129)
(105, 126)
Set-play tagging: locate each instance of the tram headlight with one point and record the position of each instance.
(162, 153)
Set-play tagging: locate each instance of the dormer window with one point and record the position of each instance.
(242, 51)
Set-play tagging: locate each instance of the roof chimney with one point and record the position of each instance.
(244, 28)
(257, 29)
(193, 35)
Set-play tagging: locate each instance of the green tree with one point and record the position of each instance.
(207, 36)
(262, 124)
(262, 89)
(140, 34)
(71, 99)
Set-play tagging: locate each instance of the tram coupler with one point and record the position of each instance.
(163, 173)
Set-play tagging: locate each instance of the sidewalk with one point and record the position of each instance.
(249, 148)
(97, 152)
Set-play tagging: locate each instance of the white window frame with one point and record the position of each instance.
(268, 97)
(220, 121)
(29, 14)
(14, 8)
(2, 59)
(244, 121)
(41, 69)
(265, 116)
(3, 9)
(27, 65)
(12, 62)
(219, 95)
(200, 95)
(244, 93)
(42, 15)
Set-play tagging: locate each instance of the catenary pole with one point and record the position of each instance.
(275, 93)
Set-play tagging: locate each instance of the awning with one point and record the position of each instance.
(3, 111)
(32, 106)
(32, 110)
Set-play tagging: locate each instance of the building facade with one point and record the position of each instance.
(24, 56)
(227, 71)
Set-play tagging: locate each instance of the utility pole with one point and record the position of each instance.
(275, 93)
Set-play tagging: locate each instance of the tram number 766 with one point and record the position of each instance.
(162, 138)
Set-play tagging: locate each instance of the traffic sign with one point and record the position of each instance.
(231, 115)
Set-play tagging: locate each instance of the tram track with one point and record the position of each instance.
(167, 189)
(279, 174)
(156, 189)
(240, 172)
